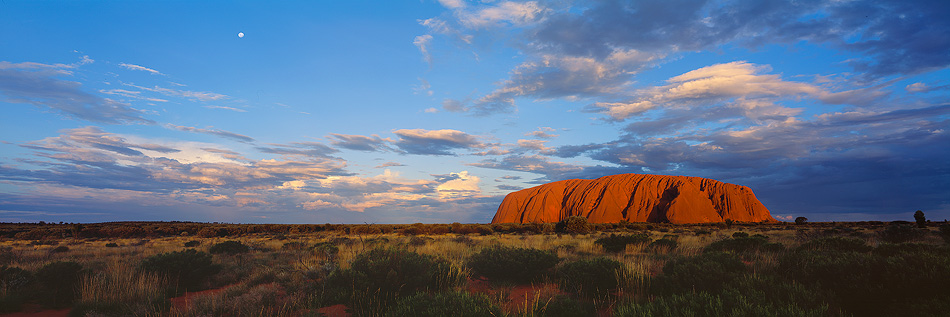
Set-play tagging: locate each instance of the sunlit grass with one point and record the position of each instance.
(281, 274)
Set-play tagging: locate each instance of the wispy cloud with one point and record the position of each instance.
(305, 149)
(140, 68)
(195, 95)
(130, 94)
(358, 142)
(422, 42)
(226, 108)
(390, 164)
(41, 85)
(220, 133)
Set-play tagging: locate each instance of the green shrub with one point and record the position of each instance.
(838, 244)
(484, 230)
(590, 277)
(14, 283)
(229, 247)
(456, 303)
(512, 264)
(188, 268)
(706, 272)
(573, 224)
(60, 249)
(663, 244)
(877, 283)
(706, 304)
(60, 283)
(618, 243)
(192, 243)
(294, 245)
(419, 241)
(379, 277)
(744, 245)
(8, 255)
(14, 278)
(327, 248)
(740, 234)
(112, 245)
(900, 233)
(890, 249)
(563, 306)
(945, 232)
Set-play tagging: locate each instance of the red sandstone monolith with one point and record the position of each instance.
(635, 198)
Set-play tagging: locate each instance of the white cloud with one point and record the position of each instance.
(452, 4)
(435, 142)
(515, 13)
(543, 133)
(197, 95)
(463, 185)
(226, 108)
(140, 68)
(422, 42)
(746, 84)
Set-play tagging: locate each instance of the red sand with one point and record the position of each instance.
(334, 311)
(33, 310)
(182, 303)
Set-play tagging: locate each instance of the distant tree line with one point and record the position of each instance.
(52, 231)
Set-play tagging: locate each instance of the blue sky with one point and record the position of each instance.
(432, 111)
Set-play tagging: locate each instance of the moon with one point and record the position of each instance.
(240, 34)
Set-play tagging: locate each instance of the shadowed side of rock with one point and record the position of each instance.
(635, 198)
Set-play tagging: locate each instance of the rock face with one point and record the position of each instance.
(636, 198)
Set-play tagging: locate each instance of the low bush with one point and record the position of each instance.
(573, 224)
(326, 248)
(188, 268)
(743, 244)
(60, 282)
(900, 233)
(838, 244)
(112, 245)
(593, 277)
(379, 277)
(706, 304)
(229, 247)
(705, 272)
(663, 245)
(7, 255)
(294, 245)
(519, 265)
(878, 283)
(60, 249)
(365, 229)
(618, 243)
(419, 241)
(945, 232)
(14, 283)
(484, 230)
(192, 243)
(457, 303)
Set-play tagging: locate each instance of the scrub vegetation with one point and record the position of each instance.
(575, 269)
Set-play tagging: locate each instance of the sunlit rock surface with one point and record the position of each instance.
(636, 198)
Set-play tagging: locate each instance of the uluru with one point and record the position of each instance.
(634, 198)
